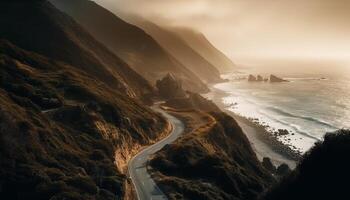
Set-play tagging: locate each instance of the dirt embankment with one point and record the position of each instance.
(123, 156)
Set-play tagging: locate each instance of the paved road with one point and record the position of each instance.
(145, 186)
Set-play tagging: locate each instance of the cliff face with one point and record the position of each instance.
(212, 161)
(322, 174)
(39, 27)
(170, 87)
(129, 42)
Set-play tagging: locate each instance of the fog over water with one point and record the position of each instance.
(248, 31)
(306, 42)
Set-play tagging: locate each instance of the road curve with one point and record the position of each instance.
(144, 185)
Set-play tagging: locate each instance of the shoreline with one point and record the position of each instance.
(264, 143)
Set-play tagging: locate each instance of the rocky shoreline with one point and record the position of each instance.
(271, 138)
(265, 135)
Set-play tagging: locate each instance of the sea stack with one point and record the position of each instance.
(251, 78)
(275, 79)
(259, 78)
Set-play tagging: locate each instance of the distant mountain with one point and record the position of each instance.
(129, 42)
(39, 27)
(207, 50)
(181, 50)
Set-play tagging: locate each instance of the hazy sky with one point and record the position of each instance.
(248, 29)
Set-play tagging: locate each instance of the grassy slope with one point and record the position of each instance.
(41, 28)
(68, 152)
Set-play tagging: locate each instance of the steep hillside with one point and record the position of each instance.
(322, 174)
(182, 51)
(129, 42)
(39, 27)
(64, 134)
(212, 160)
(206, 49)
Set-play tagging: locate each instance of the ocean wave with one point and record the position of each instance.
(263, 111)
(294, 127)
(308, 79)
(288, 114)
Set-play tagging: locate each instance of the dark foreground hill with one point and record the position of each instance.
(39, 27)
(129, 42)
(64, 134)
(322, 174)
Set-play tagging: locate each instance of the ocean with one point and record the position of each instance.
(315, 101)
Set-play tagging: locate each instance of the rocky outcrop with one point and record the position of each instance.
(259, 78)
(251, 78)
(268, 165)
(281, 132)
(192, 101)
(283, 170)
(170, 87)
(275, 79)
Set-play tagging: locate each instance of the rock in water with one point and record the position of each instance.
(259, 78)
(251, 78)
(275, 79)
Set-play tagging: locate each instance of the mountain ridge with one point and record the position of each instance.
(128, 41)
(199, 42)
(178, 47)
(64, 133)
(40, 27)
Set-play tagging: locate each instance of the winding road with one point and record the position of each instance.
(144, 185)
